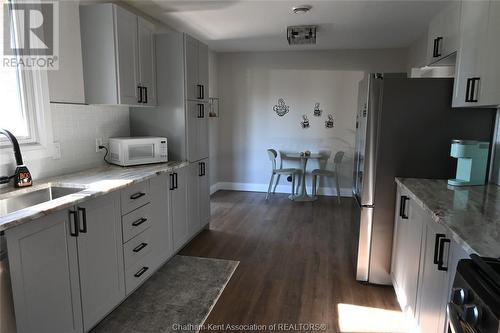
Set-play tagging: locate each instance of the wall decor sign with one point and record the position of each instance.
(281, 108)
(329, 121)
(305, 122)
(317, 110)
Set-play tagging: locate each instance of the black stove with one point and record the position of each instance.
(475, 298)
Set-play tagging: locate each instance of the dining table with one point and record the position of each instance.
(303, 157)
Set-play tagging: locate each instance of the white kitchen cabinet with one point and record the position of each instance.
(194, 172)
(203, 70)
(198, 197)
(433, 281)
(127, 56)
(490, 85)
(161, 227)
(472, 47)
(44, 274)
(100, 257)
(196, 60)
(67, 268)
(69, 60)
(478, 69)
(424, 261)
(179, 207)
(204, 193)
(197, 130)
(443, 34)
(406, 251)
(147, 75)
(118, 52)
(182, 93)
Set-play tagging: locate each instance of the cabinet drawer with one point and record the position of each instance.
(138, 273)
(136, 222)
(137, 248)
(134, 196)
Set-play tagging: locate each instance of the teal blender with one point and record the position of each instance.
(472, 162)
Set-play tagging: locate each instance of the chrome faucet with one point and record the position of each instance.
(22, 176)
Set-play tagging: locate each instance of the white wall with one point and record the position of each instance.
(249, 86)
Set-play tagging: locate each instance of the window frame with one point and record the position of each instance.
(35, 100)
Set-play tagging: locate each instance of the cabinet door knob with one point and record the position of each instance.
(139, 221)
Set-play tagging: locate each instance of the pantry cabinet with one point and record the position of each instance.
(198, 197)
(67, 267)
(179, 212)
(196, 57)
(477, 68)
(443, 34)
(182, 85)
(118, 56)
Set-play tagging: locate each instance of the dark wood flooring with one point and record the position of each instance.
(295, 260)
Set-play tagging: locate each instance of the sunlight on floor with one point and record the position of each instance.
(355, 318)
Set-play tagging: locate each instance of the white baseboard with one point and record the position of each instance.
(251, 187)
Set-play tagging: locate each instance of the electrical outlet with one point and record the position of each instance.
(98, 142)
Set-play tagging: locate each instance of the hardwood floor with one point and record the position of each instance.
(295, 262)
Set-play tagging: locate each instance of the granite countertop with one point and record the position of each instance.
(470, 213)
(92, 182)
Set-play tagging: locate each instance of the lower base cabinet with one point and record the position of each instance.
(179, 208)
(71, 268)
(424, 262)
(100, 257)
(44, 274)
(67, 267)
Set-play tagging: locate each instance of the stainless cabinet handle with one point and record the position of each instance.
(141, 271)
(139, 247)
(82, 210)
(137, 195)
(139, 221)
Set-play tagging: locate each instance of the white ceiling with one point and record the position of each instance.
(251, 25)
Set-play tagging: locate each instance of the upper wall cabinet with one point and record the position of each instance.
(477, 79)
(196, 69)
(118, 56)
(443, 34)
(70, 58)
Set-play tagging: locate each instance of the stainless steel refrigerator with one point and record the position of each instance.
(404, 128)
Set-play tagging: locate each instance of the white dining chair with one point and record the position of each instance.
(337, 160)
(278, 172)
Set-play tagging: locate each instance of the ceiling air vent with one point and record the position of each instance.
(301, 34)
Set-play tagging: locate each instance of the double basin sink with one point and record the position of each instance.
(37, 196)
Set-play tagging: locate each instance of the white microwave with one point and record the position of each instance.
(127, 151)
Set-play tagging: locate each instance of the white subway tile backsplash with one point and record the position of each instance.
(76, 127)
